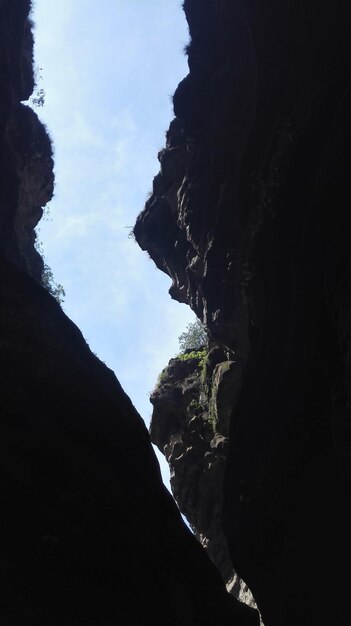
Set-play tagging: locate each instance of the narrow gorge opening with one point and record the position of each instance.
(248, 215)
(104, 80)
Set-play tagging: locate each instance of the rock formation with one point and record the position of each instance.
(249, 217)
(89, 535)
(190, 425)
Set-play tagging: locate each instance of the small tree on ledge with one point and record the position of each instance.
(194, 337)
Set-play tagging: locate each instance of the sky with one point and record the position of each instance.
(109, 70)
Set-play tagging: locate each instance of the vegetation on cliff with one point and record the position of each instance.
(47, 277)
(193, 343)
(194, 337)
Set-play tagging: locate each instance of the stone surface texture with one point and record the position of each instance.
(190, 426)
(250, 218)
(89, 534)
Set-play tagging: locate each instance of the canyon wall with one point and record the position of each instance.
(192, 403)
(89, 534)
(250, 218)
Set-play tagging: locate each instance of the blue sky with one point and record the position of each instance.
(108, 71)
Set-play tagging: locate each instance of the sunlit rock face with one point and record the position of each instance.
(89, 535)
(190, 425)
(250, 218)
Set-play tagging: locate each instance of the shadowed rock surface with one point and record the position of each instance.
(190, 426)
(250, 218)
(89, 535)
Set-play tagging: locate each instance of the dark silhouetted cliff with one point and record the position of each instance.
(250, 218)
(89, 535)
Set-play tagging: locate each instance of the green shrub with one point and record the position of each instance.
(194, 337)
(56, 289)
(47, 277)
(162, 376)
(194, 354)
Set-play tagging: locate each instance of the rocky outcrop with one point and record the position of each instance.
(89, 535)
(249, 217)
(25, 154)
(190, 426)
